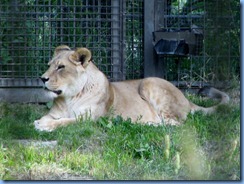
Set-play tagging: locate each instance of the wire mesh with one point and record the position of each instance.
(217, 57)
(113, 30)
(30, 30)
(134, 39)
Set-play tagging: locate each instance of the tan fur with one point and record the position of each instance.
(81, 89)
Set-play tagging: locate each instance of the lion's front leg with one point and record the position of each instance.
(47, 123)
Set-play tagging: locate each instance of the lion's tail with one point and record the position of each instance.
(211, 93)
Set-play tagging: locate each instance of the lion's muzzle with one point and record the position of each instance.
(58, 92)
(44, 79)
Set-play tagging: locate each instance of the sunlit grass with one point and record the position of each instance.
(203, 148)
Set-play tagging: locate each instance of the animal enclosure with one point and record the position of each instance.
(30, 30)
(120, 35)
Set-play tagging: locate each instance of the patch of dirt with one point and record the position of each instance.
(48, 172)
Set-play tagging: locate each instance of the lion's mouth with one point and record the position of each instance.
(58, 92)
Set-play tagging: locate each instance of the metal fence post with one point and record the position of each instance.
(116, 39)
(123, 39)
(152, 65)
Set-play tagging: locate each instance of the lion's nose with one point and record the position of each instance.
(44, 79)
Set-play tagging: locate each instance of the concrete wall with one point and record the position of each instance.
(24, 95)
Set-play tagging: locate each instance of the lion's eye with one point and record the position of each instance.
(60, 67)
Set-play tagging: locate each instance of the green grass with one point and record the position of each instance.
(203, 148)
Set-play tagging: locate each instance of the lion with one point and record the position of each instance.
(80, 88)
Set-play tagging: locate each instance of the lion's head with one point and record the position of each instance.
(66, 74)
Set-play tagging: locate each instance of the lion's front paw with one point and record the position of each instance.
(42, 126)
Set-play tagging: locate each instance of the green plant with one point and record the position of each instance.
(205, 147)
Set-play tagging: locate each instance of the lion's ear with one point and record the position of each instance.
(61, 48)
(81, 56)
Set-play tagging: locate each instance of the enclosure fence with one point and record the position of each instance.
(117, 34)
(211, 29)
(31, 29)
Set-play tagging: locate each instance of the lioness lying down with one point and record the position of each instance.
(79, 87)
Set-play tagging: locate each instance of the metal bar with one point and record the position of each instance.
(18, 82)
(116, 40)
(122, 38)
(152, 67)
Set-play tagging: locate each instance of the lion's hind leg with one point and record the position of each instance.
(168, 101)
(168, 115)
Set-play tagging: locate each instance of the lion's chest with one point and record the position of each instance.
(85, 108)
